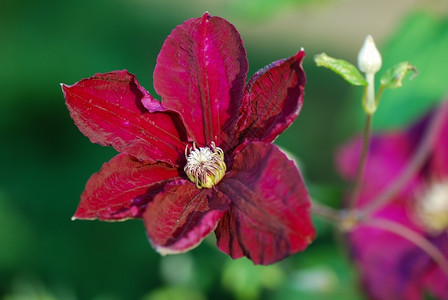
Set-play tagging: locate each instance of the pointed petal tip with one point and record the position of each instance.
(79, 216)
(300, 53)
(205, 17)
(204, 45)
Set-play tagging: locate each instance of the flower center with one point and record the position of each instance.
(205, 165)
(432, 207)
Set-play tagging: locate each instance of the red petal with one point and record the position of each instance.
(122, 188)
(182, 215)
(107, 108)
(387, 263)
(273, 99)
(400, 270)
(200, 73)
(270, 214)
(435, 279)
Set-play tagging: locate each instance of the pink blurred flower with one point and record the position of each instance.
(391, 266)
(201, 160)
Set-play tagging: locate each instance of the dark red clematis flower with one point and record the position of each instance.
(201, 160)
(391, 266)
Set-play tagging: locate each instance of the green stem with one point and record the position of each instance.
(326, 212)
(370, 106)
(379, 94)
(356, 190)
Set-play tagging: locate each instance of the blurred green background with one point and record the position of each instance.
(45, 161)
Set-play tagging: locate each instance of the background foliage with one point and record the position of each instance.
(45, 161)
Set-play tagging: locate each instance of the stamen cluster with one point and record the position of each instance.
(432, 207)
(205, 167)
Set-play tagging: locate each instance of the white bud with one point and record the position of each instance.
(369, 58)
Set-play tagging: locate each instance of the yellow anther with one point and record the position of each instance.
(205, 165)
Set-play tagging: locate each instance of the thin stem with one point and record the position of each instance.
(326, 212)
(379, 93)
(364, 99)
(370, 93)
(415, 164)
(413, 237)
(362, 163)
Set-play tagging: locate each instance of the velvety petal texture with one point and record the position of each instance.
(123, 188)
(200, 73)
(181, 216)
(269, 217)
(272, 99)
(107, 108)
(257, 203)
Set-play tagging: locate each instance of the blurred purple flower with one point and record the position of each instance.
(201, 160)
(391, 266)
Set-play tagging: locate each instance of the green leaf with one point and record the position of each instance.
(393, 78)
(341, 67)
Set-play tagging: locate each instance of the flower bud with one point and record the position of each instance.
(369, 58)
